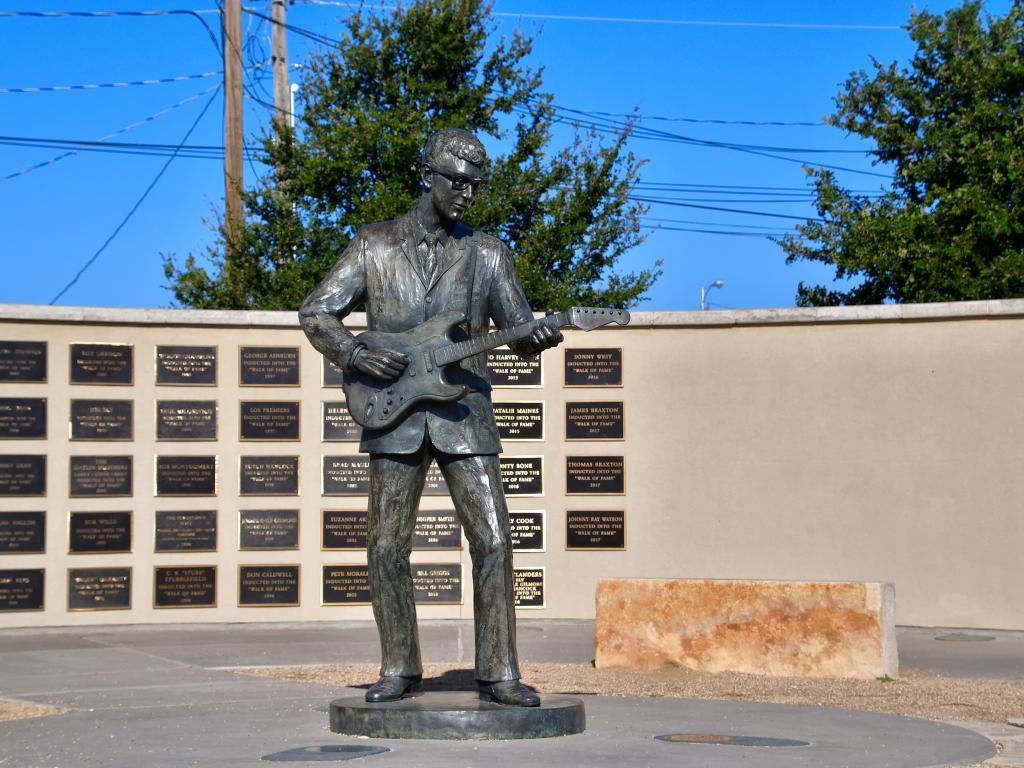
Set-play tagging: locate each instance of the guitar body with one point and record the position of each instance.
(377, 404)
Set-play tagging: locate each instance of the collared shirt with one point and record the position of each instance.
(423, 242)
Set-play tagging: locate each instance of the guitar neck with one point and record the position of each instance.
(452, 353)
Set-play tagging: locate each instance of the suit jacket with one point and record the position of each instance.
(380, 268)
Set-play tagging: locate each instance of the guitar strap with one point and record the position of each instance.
(471, 269)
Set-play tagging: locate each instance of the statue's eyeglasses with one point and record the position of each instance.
(460, 182)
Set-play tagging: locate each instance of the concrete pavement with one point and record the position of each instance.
(164, 697)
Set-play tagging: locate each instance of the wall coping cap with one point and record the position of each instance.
(877, 313)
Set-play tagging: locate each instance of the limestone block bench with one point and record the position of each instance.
(780, 628)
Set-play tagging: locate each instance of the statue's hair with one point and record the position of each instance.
(457, 142)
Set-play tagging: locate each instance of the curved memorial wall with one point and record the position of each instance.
(176, 466)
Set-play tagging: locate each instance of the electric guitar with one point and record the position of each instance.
(377, 403)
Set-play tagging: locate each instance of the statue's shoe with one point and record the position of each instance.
(392, 688)
(509, 692)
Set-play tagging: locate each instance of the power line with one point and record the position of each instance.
(712, 231)
(216, 152)
(250, 82)
(756, 197)
(118, 132)
(98, 14)
(641, 117)
(210, 151)
(644, 133)
(658, 219)
(763, 201)
(576, 117)
(656, 201)
(135, 207)
(124, 84)
(316, 36)
(705, 23)
(630, 20)
(301, 31)
(206, 151)
(114, 14)
(673, 186)
(640, 132)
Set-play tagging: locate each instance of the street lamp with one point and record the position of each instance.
(704, 293)
(294, 89)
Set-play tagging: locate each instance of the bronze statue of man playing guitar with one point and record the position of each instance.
(431, 286)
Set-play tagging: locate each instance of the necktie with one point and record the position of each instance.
(429, 258)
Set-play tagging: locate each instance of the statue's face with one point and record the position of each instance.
(452, 184)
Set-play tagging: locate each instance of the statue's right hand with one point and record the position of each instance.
(382, 363)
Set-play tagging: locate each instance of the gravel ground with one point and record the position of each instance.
(17, 710)
(914, 694)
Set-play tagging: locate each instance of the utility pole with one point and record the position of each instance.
(279, 58)
(231, 41)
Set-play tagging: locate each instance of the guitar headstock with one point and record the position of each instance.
(589, 318)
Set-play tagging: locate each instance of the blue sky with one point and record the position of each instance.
(746, 61)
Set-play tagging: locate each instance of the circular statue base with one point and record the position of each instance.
(456, 715)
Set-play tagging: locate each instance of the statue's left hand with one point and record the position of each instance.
(545, 337)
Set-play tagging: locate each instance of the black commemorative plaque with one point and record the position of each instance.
(186, 420)
(437, 529)
(23, 361)
(268, 420)
(22, 475)
(185, 586)
(269, 366)
(435, 484)
(437, 583)
(268, 585)
(22, 532)
(186, 475)
(99, 532)
(507, 369)
(522, 475)
(101, 420)
(593, 367)
(186, 365)
(268, 529)
(338, 425)
(22, 418)
(101, 364)
(100, 476)
(595, 529)
(527, 527)
(343, 529)
(528, 587)
(99, 589)
(190, 530)
(345, 585)
(268, 476)
(333, 377)
(594, 421)
(346, 475)
(600, 475)
(520, 421)
(21, 589)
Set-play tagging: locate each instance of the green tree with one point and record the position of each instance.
(369, 105)
(950, 227)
